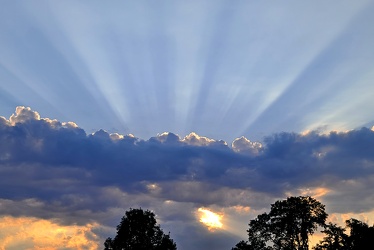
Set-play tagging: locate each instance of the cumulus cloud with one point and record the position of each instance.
(196, 140)
(243, 145)
(53, 170)
(23, 114)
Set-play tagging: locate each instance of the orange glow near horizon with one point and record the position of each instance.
(316, 192)
(33, 233)
(210, 219)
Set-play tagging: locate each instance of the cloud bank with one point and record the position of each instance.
(54, 171)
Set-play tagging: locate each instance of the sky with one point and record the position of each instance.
(204, 112)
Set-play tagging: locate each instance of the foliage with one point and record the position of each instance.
(290, 222)
(138, 230)
(242, 245)
(294, 219)
(361, 237)
(287, 226)
(335, 238)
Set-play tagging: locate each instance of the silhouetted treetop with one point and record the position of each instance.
(287, 226)
(138, 230)
(290, 222)
(360, 237)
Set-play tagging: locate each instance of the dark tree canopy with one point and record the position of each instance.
(361, 237)
(287, 226)
(290, 222)
(138, 230)
(335, 238)
(294, 219)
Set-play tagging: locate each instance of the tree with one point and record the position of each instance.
(361, 236)
(242, 245)
(335, 238)
(287, 226)
(294, 219)
(138, 230)
(259, 234)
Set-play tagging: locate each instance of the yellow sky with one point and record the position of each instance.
(33, 233)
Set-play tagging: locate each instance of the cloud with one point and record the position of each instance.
(55, 171)
(196, 140)
(23, 115)
(243, 145)
(33, 233)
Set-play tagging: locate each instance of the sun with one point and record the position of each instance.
(210, 219)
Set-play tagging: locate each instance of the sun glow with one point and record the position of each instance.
(210, 219)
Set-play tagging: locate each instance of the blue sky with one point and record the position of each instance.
(268, 71)
(217, 68)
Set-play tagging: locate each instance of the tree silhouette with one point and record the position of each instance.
(138, 230)
(287, 226)
(242, 245)
(294, 219)
(335, 238)
(361, 237)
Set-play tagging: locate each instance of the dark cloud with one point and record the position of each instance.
(48, 149)
(213, 240)
(54, 170)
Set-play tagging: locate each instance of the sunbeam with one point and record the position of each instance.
(309, 83)
(103, 65)
(144, 69)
